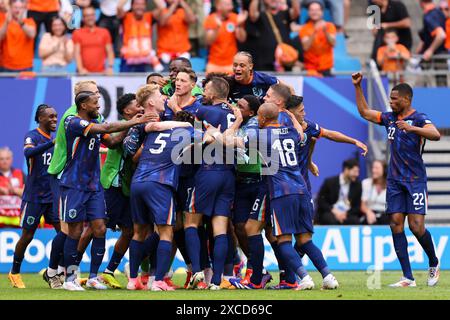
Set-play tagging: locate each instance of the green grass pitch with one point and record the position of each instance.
(353, 285)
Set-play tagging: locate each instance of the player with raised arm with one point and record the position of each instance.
(81, 194)
(406, 196)
(313, 131)
(289, 196)
(57, 164)
(37, 196)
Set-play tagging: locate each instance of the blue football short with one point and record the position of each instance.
(152, 203)
(118, 209)
(213, 193)
(80, 206)
(244, 199)
(32, 212)
(406, 197)
(261, 206)
(185, 186)
(54, 186)
(287, 214)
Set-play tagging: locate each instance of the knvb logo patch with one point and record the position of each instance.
(72, 213)
(30, 221)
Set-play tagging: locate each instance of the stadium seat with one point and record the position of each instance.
(37, 65)
(340, 49)
(203, 53)
(198, 64)
(116, 66)
(72, 67)
(347, 64)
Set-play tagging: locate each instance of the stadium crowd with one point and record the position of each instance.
(146, 35)
(208, 209)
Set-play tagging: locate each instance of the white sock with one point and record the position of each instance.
(51, 272)
(61, 269)
(108, 271)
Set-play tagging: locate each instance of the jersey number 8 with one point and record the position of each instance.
(91, 144)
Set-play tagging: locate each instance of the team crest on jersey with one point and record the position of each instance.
(230, 27)
(305, 138)
(410, 122)
(257, 92)
(84, 123)
(30, 220)
(72, 213)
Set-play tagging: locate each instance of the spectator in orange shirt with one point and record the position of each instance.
(93, 46)
(393, 56)
(173, 31)
(3, 11)
(55, 48)
(42, 12)
(445, 7)
(318, 38)
(17, 34)
(224, 29)
(137, 51)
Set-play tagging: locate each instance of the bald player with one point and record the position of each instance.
(287, 189)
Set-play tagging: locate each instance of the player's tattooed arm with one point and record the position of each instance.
(313, 168)
(166, 125)
(226, 140)
(428, 131)
(112, 142)
(122, 125)
(231, 131)
(363, 107)
(340, 137)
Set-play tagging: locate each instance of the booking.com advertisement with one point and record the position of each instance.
(344, 248)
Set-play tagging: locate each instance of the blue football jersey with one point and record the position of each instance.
(191, 108)
(258, 86)
(312, 130)
(406, 148)
(82, 170)
(216, 115)
(284, 119)
(278, 147)
(161, 156)
(38, 150)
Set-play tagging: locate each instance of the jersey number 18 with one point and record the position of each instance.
(286, 151)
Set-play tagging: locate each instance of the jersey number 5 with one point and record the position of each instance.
(162, 144)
